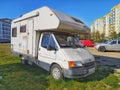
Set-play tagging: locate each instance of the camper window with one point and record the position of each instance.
(77, 20)
(14, 32)
(23, 29)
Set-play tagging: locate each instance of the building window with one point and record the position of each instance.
(14, 32)
(23, 29)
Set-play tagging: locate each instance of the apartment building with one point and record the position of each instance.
(5, 26)
(108, 23)
(92, 28)
(117, 18)
(98, 25)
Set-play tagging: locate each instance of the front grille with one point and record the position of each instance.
(79, 71)
(89, 64)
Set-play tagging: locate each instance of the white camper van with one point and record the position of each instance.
(47, 38)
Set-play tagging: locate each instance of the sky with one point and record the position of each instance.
(86, 10)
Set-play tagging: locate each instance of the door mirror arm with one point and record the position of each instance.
(49, 48)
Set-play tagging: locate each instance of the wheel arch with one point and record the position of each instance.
(54, 64)
(53, 74)
(102, 46)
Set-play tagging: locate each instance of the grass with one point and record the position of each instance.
(25, 77)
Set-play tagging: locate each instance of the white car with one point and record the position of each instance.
(112, 45)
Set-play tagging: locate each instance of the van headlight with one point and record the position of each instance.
(74, 64)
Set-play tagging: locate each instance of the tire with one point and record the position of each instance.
(56, 72)
(24, 61)
(102, 49)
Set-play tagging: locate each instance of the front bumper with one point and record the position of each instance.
(79, 72)
(96, 47)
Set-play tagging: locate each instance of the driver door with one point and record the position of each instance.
(45, 55)
(112, 46)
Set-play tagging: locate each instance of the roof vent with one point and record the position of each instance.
(77, 20)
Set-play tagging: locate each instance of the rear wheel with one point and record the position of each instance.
(24, 61)
(56, 72)
(102, 49)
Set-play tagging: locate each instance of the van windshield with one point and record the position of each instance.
(67, 40)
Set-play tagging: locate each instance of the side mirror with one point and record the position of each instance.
(51, 48)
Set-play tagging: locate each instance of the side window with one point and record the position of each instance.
(52, 42)
(23, 29)
(45, 40)
(118, 42)
(14, 32)
(113, 42)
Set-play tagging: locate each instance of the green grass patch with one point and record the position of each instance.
(26, 77)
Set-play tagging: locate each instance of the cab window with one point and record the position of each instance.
(52, 42)
(48, 40)
(45, 40)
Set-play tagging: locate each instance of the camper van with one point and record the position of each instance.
(48, 38)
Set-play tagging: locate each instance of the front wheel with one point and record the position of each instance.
(56, 72)
(102, 49)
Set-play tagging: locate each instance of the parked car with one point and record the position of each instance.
(87, 43)
(112, 45)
